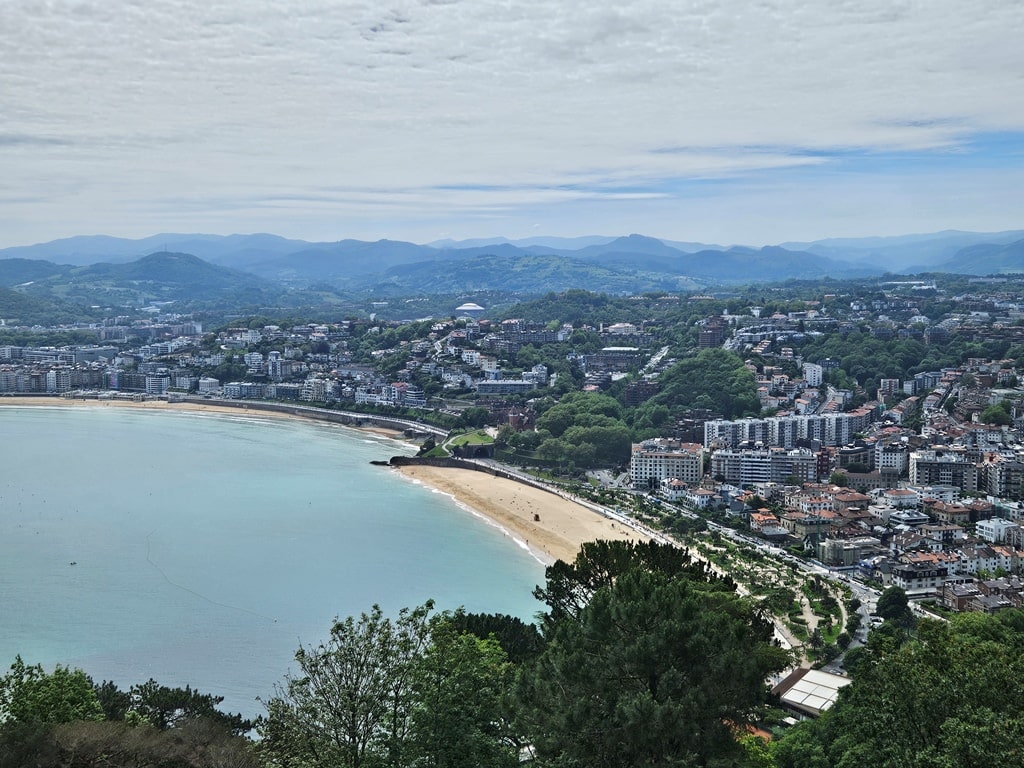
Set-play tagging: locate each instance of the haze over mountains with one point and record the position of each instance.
(261, 262)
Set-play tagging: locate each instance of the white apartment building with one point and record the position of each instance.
(157, 383)
(994, 529)
(814, 374)
(58, 380)
(254, 362)
(892, 456)
(767, 465)
(783, 431)
(656, 460)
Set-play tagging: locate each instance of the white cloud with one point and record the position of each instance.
(141, 107)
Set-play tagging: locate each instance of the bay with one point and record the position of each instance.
(204, 549)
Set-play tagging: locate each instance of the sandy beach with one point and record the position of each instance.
(547, 523)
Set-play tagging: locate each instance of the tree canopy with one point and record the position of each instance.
(29, 694)
(413, 691)
(655, 669)
(950, 697)
(714, 379)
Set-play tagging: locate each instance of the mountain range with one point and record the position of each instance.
(266, 269)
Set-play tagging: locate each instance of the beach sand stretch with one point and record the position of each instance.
(541, 520)
(552, 527)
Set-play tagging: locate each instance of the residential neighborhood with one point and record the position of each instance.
(910, 475)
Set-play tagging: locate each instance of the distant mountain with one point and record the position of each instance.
(691, 247)
(81, 250)
(633, 244)
(15, 272)
(159, 277)
(987, 259)
(330, 261)
(169, 269)
(558, 243)
(771, 263)
(905, 253)
(90, 249)
(611, 264)
(520, 273)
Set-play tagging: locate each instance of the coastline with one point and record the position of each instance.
(543, 522)
(187, 406)
(549, 526)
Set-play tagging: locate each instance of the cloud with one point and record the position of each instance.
(400, 104)
(25, 140)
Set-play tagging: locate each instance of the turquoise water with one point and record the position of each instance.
(207, 548)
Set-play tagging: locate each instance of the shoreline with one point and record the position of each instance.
(544, 523)
(190, 407)
(539, 520)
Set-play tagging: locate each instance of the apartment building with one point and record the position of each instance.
(655, 460)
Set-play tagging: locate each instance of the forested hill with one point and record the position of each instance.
(714, 379)
(632, 264)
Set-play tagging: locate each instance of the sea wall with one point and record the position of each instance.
(348, 418)
(453, 463)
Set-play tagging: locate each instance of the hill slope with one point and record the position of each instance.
(987, 259)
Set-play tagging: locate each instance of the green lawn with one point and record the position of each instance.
(480, 437)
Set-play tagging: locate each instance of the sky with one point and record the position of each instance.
(724, 121)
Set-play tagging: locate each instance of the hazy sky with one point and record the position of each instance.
(730, 121)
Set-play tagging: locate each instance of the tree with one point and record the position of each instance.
(950, 697)
(570, 586)
(351, 703)
(29, 695)
(996, 414)
(656, 669)
(457, 719)
(519, 640)
(93, 744)
(894, 606)
(715, 379)
(165, 708)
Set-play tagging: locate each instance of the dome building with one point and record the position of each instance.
(469, 309)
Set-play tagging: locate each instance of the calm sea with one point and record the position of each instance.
(204, 549)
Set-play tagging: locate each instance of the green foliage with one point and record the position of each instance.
(417, 690)
(569, 586)
(952, 696)
(164, 708)
(351, 703)
(996, 414)
(866, 359)
(715, 379)
(894, 606)
(780, 600)
(28, 694)
(90, 744)
(580, 409)
(853, 620)
(655, 669)
(457, 717)
(519, 640)
(839, 478)
(584, 428)
(27, 744)
(473, 418)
